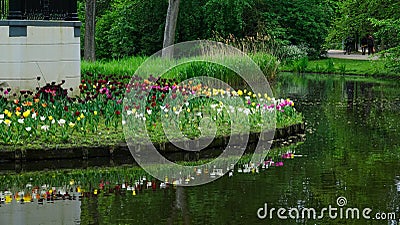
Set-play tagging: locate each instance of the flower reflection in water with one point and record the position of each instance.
(56, 186)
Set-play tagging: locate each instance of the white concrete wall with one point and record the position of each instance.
(50, 52)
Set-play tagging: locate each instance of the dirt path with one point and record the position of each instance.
(358, 56)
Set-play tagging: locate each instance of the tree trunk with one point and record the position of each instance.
(90, 21)
(170, 26)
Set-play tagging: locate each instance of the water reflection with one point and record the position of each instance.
(60, 212)
(352, 150)
(83, 188)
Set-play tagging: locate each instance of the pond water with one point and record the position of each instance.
(350, 159)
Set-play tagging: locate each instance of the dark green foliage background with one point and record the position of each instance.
(135, 27)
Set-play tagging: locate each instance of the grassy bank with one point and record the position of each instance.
(128, 66)
(52, 119)
(268, 64)
(339, 66)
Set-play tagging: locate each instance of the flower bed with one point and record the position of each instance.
(50, 118)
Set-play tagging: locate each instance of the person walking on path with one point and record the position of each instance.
(371, 45)
(347, 45)
(364, 44)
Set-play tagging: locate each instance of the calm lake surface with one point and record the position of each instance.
(350, 159)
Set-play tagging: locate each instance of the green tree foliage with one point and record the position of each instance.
(304, 22)
(226, 17)
(377, 17)
(135, 27)
(192, 13)
(389, 34)
(131, 28)
(353, 17)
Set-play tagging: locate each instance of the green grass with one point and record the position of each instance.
(123, 67)
(343, 67)
(179, 69)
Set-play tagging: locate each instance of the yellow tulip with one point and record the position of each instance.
(71, 124)
(51, 118)
(17, 113)
(78, 118)
(240, 92)
(188, 110)
(95, 113)
(26, 113)
(7, 121)
(82, 116)
(9, 199)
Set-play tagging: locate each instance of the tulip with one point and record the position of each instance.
(7, 122)
(27, 103)
(45, 127)
(26, 113)
(61, 122)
